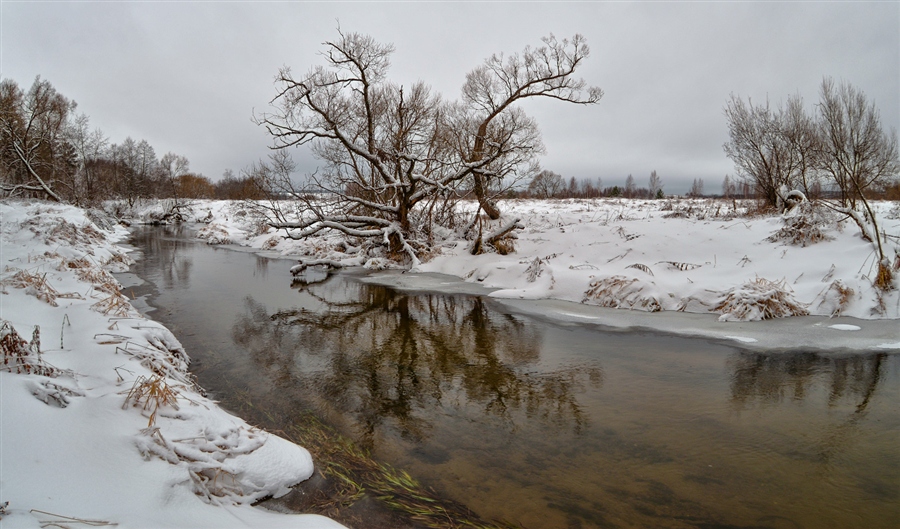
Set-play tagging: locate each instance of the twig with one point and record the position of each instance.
(62, 329)
(47, 523)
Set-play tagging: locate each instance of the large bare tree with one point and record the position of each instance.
(857, 153)
(771, 148)
(393, 154)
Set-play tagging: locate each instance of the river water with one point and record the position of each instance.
(532, 422)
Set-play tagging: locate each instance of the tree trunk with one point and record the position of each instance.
(479, 188)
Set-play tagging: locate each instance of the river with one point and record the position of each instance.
(537, 423)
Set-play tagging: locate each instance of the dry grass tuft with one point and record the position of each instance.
(620, 292)
(163, 359)
(505, 245)
(118, 262)
(151, 394)
(759, 299)
(884, 278)
(37, 286)
(74, 264)
(59, 230)
(115, 304)
(100, 279)
(837, 297)
(23, 357)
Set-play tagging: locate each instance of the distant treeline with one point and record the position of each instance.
(47, 150)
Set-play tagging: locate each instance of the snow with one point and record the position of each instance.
(845, 327)
(80, 444)
(707, 267)
(742, 339)
(89, 443)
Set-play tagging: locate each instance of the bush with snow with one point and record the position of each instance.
(759, 299)
(621, 292)
(805, 223)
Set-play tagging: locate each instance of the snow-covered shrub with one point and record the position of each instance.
(214, 234)
(620, 292)
(804, 224)
(230, 465)
(759, 299)
(271, 243)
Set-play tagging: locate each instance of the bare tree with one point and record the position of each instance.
(172, 167)
(729, 188)
(546, 184)
(492, 88)
(770, 148)
(630, 187)
(32, 138)
(392, 152)
(90, 147)
(655, 184)
(857, 153)
(696, 188)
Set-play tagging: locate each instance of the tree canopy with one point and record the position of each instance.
(395, 155)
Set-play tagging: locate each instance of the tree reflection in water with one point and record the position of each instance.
(851, 381)
(174, 265)
(772, 377)
(394, 360)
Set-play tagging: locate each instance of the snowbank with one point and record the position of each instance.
(101, 421)
(701, 256)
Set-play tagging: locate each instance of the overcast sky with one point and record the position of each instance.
(187, 76)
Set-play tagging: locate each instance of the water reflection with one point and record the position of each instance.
(173, 265)
(773, 377)
(391, 359)
(515, 418)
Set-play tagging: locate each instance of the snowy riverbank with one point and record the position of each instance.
(99, 418)
(709, 265)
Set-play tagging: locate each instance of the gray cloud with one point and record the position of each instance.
(187, 76)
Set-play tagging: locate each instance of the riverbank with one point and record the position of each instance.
(713, 268)
(101, 421)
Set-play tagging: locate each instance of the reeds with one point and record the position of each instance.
(353, 475)
(37, 286)
(837, 296)
(150, 394)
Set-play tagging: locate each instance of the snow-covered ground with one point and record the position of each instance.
(100, 423)
(100, 420)
(709, 264)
